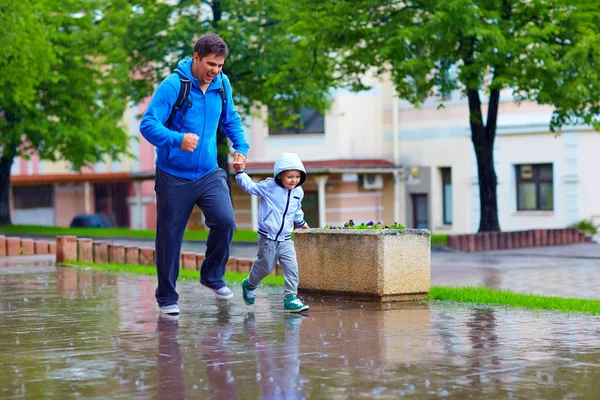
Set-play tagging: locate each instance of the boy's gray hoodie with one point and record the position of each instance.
(279, 207)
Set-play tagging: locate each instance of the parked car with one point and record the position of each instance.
(97, 220)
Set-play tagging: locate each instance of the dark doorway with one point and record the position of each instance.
(310, 206)
(111, 201)
(420, 211)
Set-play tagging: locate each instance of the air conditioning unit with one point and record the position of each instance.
(371, 181)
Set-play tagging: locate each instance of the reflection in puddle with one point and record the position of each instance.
(92, 334)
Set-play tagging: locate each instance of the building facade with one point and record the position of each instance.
(364, 162)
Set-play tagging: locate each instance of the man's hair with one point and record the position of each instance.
(210, 43)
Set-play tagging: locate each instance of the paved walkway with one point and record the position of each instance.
(70, 333)
(564, 271)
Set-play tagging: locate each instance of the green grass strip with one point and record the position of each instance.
(185, 274)
(240, 236)
(202, 235)
(483, 295)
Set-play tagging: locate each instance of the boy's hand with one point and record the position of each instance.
(239, 162)
(305, 226)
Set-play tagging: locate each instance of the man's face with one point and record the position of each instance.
(290, 179)
(206, 68)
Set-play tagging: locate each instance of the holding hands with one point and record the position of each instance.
(239, 162)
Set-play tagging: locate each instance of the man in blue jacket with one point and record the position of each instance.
(187, 173)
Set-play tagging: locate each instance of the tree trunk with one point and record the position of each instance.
(483, 137)
(5, 166)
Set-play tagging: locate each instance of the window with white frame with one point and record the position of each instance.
(535, 183)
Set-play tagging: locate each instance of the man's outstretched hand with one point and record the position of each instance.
(239, 162)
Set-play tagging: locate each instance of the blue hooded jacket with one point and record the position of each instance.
(201, 118)
(279, 207)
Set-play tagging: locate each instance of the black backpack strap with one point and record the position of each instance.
(223, 95)
(182, 98)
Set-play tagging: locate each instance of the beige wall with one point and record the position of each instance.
(435, 154)
(353, 129)
(69, 201)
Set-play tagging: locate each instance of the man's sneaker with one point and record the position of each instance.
(248, 292)
(293, 304)
(168, 317)
(223, 293)
(172, 309)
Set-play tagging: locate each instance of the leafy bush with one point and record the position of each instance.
(587, 226)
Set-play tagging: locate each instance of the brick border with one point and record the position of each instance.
(104, 253)
(484, 241)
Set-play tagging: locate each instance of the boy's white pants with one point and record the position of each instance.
(269, 253)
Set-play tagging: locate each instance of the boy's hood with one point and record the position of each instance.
(286, 162)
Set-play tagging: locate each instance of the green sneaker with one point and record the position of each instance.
(293, 304)
(248, 292)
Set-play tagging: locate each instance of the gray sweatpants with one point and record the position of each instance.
(269, 253)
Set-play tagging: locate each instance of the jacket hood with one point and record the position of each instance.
(286, 162)
(185, 68)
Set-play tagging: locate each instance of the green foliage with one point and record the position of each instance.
(439, 239)
(587, 226)
(68, 81)
(483, 295)
(544, 50)
(268, 64)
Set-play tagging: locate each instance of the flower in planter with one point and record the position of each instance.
(369, 225)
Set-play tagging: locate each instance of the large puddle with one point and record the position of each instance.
(68, 333)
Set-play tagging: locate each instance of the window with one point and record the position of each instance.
(27, 197)
(447, 195)
(534, 187)
(309, 121)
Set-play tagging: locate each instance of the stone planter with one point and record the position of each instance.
(379, 265)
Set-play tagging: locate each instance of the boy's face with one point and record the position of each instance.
(290, 179)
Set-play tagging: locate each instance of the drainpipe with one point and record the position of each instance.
(396, 148)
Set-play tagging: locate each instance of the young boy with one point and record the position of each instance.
(280, 206)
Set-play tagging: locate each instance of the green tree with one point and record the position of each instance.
(267, 65)
(65, 85)
(545, 51)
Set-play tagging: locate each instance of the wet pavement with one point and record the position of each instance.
(564, 271)
(559, 272)
(74, 333)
